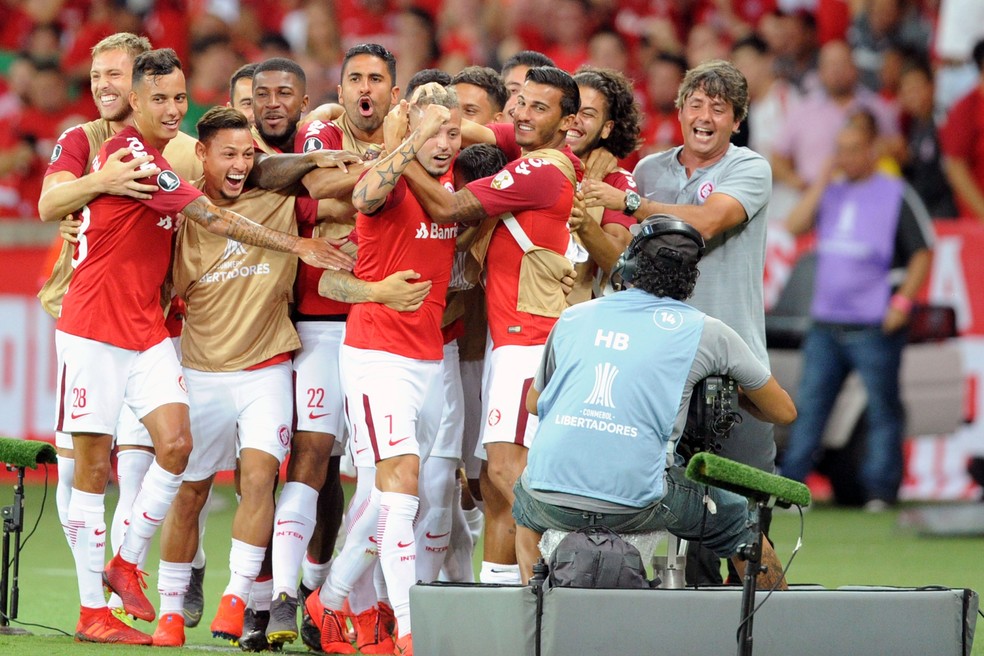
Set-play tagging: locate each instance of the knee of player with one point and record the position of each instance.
(504, 475)
(173, 453)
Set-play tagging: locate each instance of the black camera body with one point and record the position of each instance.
(713, 413)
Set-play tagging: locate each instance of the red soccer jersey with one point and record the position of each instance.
(71, 153)
(539, 195)
(123, 256)
(399, 237)
(317, 135)
(962, 137)
(505, 139)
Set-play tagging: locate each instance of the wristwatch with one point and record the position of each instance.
(632, 202)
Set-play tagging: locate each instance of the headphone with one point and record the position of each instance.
(625, 270)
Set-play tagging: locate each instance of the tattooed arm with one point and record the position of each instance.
(371, 191)
(282, 170)
(460, 207)
(396, 291)
(219, 221)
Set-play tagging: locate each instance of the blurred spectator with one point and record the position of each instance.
(608, 49)
(880, 25)
(793, 39)
(770, 97)
(213, 61)
(416, 44)
(314, 37)
(660, 117)
(960, 24)
(807, 139)
(922, 167)
(20, 174)
(705, 43)
(14, 95)
(962, 137)
(51, 109)
(104, 17)
(568, 32)
(872, 231)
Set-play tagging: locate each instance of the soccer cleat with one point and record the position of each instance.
(127, 581)
(254, 630)
(387, 617)
(170, 631)
(310, 634)
(228, 622)
(283, 620)
(194, 602)
(404, 645)
(331, 626)
(100, 625)
(371, 634)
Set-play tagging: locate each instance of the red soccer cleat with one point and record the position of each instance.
(100, 625)
(127, 581)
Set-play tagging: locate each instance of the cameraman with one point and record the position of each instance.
(613, 389)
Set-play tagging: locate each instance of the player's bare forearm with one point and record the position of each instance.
(372, 190)
(460, 207)
(220, 221)
(280, 170)
(344, 286)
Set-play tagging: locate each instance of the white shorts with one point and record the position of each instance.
(447, 444)
(509, 374)
(96, 379)
(255, 406)
(393, 404)
(317, 388)
(129, 430)
(471, 387)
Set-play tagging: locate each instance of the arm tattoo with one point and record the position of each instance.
(237, 227)
(467, 207)
(343, 286)
(279, 171)
(373, 189)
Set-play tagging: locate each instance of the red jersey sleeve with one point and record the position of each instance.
(526, 184)
(173, 194)
(306, 213)
(505, 139)
(71, 153)
(318, 135)
(622, 180)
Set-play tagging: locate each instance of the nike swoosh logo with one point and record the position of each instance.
(311, 415)
(362, 449)
(400, 545)
(80, 415)
(393, 442)
(126, 522)
(98, 532)
(373, 540)
(152, 519)
(435, 537)
(281, 522)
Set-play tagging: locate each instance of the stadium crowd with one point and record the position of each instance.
(341, 281)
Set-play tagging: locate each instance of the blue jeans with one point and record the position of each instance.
(680, 511)
(830, 353)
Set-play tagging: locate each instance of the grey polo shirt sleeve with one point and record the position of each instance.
(747, 177)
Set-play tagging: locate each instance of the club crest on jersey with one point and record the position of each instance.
(168, 180)
(283, 434)
(312, 143)
(55, 154)
(503, 180)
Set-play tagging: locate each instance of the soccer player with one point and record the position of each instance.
(111, 348)
(390, 362)
(538, 189)
(241, 91)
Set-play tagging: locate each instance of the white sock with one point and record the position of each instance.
(245, 561)
(476, 522)
(379, 583)
(149, 508)
(397, 552)
(313, 574)
(499, 573)
(293, 525)
(457, 564)
(433, 527)
(357, 556)
(261, 595)
(63, 493)
(131, 467)
(87, 537)
(363, 594)
(199, 560)
(172, 584)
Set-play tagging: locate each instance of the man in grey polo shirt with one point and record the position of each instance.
(723, 191)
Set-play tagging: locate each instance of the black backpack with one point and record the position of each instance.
(596, 557)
